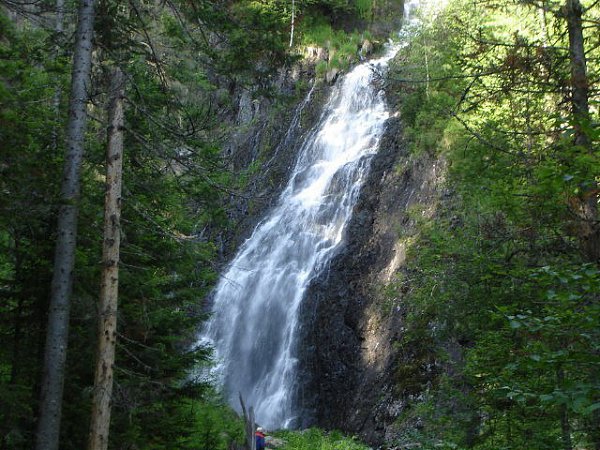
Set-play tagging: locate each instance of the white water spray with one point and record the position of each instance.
(254, 319)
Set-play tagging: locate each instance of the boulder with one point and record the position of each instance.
(332, 75)
(367, 48)
(317, 53)
(248, 108)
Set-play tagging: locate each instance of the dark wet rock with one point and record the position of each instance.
(348, 359)
(260, 134)
(349, 365)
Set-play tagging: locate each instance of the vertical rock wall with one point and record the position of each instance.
(258, 135)
(349, 363)
(349, 360)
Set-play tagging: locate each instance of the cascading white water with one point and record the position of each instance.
(254, 318)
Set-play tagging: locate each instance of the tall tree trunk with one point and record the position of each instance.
(544, 22)
(579, 80)
(565, 428)
(48, 428)
(593, 429)
(590, 228)
(293, 23)
(109, 288)
(590, 234)
(59, 32)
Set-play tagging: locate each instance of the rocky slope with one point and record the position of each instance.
(262, 135)
(349, 361)
(353, 376)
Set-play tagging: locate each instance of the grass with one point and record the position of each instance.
(316, 439)
(342, 47)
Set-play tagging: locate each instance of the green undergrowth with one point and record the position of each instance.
(316, 439)
(343, 47)
(215, 426)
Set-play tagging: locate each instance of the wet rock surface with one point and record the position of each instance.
(348, 359)
(263, 136)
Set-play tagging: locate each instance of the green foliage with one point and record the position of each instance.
(170, 196)
(342, 26)
(215, 427)
(364, 8)
(502, 306)
(249, 41)
(330, 8)
(349, 14)
(545, 358)
(29, 171)
(342, 46)
(316, 439)
(172, 202)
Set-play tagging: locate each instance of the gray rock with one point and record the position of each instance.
(247, 109)
(350, 362)
(367, 48)
(316, 54)
(332, 75)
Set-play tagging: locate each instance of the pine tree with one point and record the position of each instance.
(107, 326)
(57, 336)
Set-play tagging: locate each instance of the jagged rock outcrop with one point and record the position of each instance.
(349, 363)
(266, 132)
(349, 360)
(257, 126)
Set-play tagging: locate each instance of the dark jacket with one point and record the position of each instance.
(260, 440)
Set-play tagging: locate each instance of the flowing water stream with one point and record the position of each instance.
(254, 319)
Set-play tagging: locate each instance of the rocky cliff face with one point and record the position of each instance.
(350, 364)
(261, 141)
(349, 359)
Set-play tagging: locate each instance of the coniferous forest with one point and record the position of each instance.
(123, 196)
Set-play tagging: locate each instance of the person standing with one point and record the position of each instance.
(260, 438)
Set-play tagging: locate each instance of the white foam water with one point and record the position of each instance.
(254, 319)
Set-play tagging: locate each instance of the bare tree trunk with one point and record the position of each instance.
(59, 31)
(109, 288)
(581, 114)
(590, 233)
(543, 21)
(48, 428)
(293, 23)
(579, 80)
(565, 428)
(249, 425)
(593, 429)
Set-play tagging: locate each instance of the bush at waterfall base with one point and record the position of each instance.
(215, 426)
(316, 439)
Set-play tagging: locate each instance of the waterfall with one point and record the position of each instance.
(254, 319)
